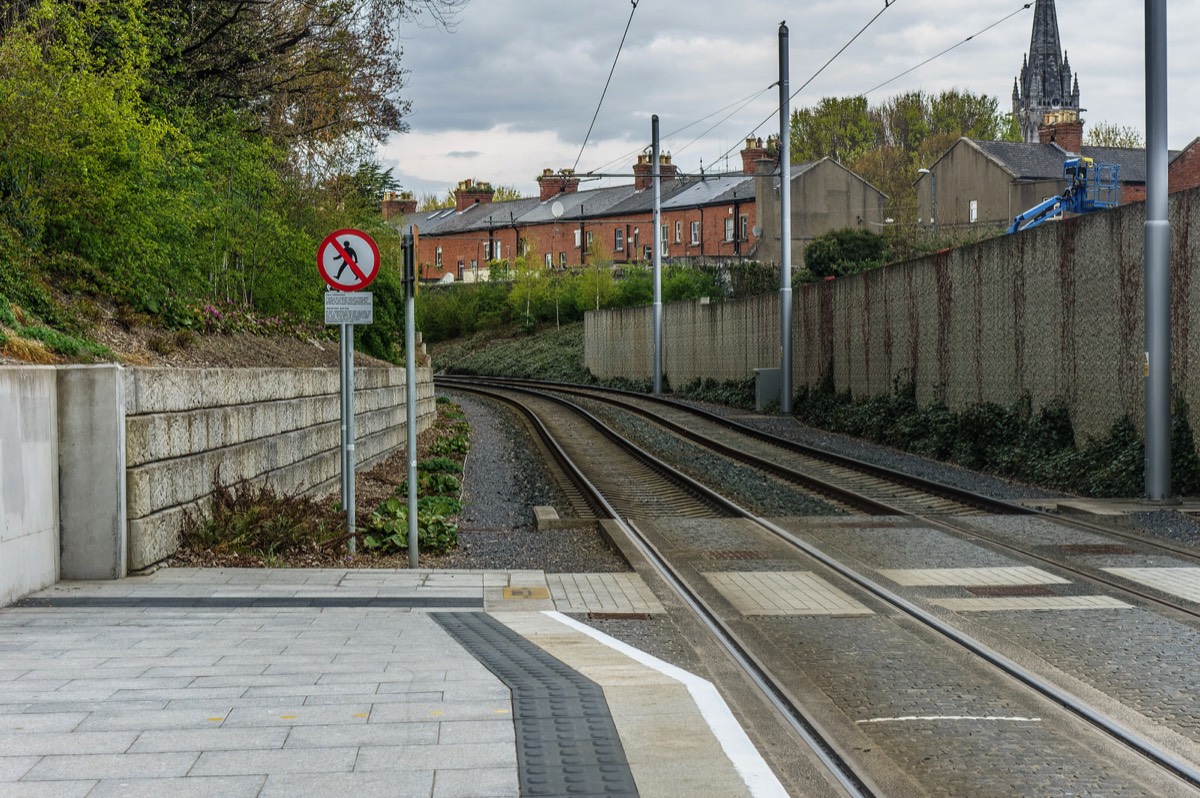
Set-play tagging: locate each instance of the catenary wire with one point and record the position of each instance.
(620, 47)
(948, 49)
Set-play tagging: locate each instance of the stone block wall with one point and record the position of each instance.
(1055, 313)
(186, 428)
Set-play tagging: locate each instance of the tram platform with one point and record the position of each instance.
(356, 682)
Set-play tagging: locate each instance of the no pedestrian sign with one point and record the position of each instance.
(348, 260)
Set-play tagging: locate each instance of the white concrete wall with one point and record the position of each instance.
(28, 481)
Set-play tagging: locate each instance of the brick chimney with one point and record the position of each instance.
(470, 193)
(643, 170)
(551, 184)
(754, 152)
(394, 205)
(1063, 128)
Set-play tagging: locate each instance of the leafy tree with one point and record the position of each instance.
(507, 193)
(838, 126)
(597, 285)
(316, 76)
(529, 284)
(432, 202)
(1105, 134)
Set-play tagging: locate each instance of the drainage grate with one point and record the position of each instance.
(1094, 548)
(618, 616)
(567, 742)
(998, 591)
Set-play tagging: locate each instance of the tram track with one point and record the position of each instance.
(630, 490)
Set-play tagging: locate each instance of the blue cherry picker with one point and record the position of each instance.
(1090, 187)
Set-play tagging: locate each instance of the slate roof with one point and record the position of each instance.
(714, 190)
(1044, 161)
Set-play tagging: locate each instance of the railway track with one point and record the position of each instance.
(639, 491)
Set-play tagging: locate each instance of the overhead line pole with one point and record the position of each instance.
(658, 336)
(785, 226)
(1158, 260)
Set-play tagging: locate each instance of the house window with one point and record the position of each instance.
(549, 261)
(562, 260)
(474, 264)
(728, 228)
(648, 252)
(745, 228)
(695, 233)
(438, 259)
(974, 211)
(637, 233)
(589, 239)
(663, 238)
(578, 238)
(678, 232)
(619, 240)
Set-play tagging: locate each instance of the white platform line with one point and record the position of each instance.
(746, 759)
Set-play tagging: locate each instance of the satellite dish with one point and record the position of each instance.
(757, 231)
(556, 209)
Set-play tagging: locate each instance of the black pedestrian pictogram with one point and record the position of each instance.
(349, 250)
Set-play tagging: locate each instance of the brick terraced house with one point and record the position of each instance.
(706, 218)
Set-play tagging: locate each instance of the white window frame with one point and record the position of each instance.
(745, 227)
(974, 211)
(578, 238)
(549, 261)
(438, 258)
(695, 234)
(678, 232)
(589, 239)
(619, 240)
(729, 221)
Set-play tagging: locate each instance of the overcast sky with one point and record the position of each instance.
(512, 89)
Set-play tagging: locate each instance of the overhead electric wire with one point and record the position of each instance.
(886, 5)
(723, 120)
(620, 47)
(742, 103)
(1003, 19)
(948, 49)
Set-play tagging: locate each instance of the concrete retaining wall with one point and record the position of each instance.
(187, 428)
(99, 465)
(28, 481)
(1055, 313)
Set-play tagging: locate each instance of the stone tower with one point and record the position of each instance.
(1046, 84)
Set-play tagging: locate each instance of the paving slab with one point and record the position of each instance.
(232, 683)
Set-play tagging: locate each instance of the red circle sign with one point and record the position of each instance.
(348, 260)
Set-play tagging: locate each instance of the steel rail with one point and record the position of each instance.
(1115, 730)
(822, 744)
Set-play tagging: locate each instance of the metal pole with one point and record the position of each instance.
(933, 202)
(342, 407)
(350, 437)
(658, 340)
(785, 224)
(410, 387)
(1158, 260)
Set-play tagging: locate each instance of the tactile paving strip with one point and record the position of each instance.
(567, 742)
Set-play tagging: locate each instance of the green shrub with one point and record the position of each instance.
(442, 464)
(387, 527)
(1008, 440)
(846, 251)
(66, 345)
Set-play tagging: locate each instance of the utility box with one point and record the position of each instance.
(767, 386)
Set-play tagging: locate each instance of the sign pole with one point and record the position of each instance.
(408, 245)
(347, 376)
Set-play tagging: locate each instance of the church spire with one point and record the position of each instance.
(1046, 83)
